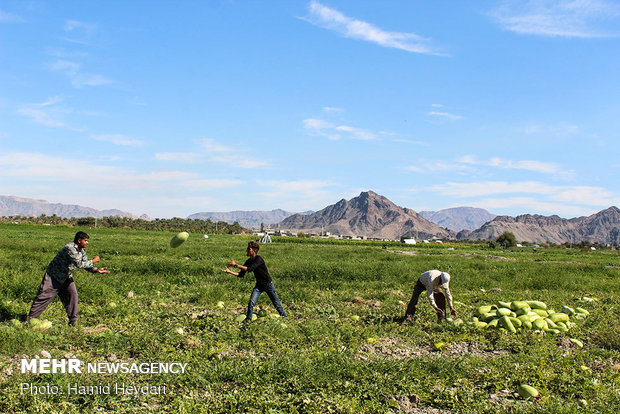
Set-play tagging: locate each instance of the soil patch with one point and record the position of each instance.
(394, 349)
(406, 252)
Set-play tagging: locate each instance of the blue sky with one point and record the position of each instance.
(172, 108)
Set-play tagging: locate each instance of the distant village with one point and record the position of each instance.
(328, 235)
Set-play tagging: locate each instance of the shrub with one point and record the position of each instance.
(507, 239)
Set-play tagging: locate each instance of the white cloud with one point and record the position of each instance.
(165, 176)
(6, 17)
(187, 157)
(529, 204)
(41, 117)
(319, 127)
(51, 101)
(79, 79)
(581, 195)
(235, 157)
(297, 195)
(561, 130)
(74, 25)
(81, 32)
(566, 18)
(212, 146)
(485, 188)
(41, 168)
(529, 165)
(331, 131)
(409, 141)
(298, 186)
(90, 79)
(332, 109)
(214, 151)
(432, 166)
(118, 139)
(331, 19)
(65, 66)
(413, 168)
(596, 196)
(211, 184)
(62, 53)
(445, 115)
(356, 133)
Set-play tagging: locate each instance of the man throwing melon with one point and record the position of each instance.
(432, 281)
(58, 278)
(264, 283)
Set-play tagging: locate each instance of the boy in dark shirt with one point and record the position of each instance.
(264, 283)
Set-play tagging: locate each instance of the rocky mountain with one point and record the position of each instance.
(19, 206)
(248, 219)
(369, 215)
(602, 227)
(459, 218)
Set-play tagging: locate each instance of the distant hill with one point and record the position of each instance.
(372, 215)
(459, 218)
(602, 227)
(20, 206)
(248, 219)
(369, 215)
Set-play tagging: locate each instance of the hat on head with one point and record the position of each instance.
(445, 279)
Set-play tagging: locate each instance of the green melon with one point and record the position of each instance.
(178, 240)
(527, 392)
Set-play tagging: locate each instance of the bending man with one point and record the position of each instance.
(432, 281)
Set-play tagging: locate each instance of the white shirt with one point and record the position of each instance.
(432, 281)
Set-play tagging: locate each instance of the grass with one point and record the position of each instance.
(321, 359)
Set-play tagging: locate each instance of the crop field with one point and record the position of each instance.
(343, 348)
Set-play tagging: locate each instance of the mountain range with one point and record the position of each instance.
(459, 218)
(601, 227)
(249, 219)
(20, 206)
(374, 216)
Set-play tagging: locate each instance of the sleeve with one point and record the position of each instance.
(449, 296)
(80, 260)
(431, 299)
(243, 272)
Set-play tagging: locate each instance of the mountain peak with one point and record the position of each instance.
(368, 215)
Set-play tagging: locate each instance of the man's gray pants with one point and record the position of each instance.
(49, 289)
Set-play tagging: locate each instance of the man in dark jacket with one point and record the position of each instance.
(264, 283)
(58, 278)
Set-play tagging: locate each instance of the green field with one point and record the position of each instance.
(322, 359)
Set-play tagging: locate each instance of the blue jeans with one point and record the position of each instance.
(270, 289)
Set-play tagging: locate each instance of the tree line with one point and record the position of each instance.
(173, 224)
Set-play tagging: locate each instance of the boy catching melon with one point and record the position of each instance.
(264, 283)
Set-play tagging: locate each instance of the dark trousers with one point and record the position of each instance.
(439, 297)
(49, 289)
(270, 289)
